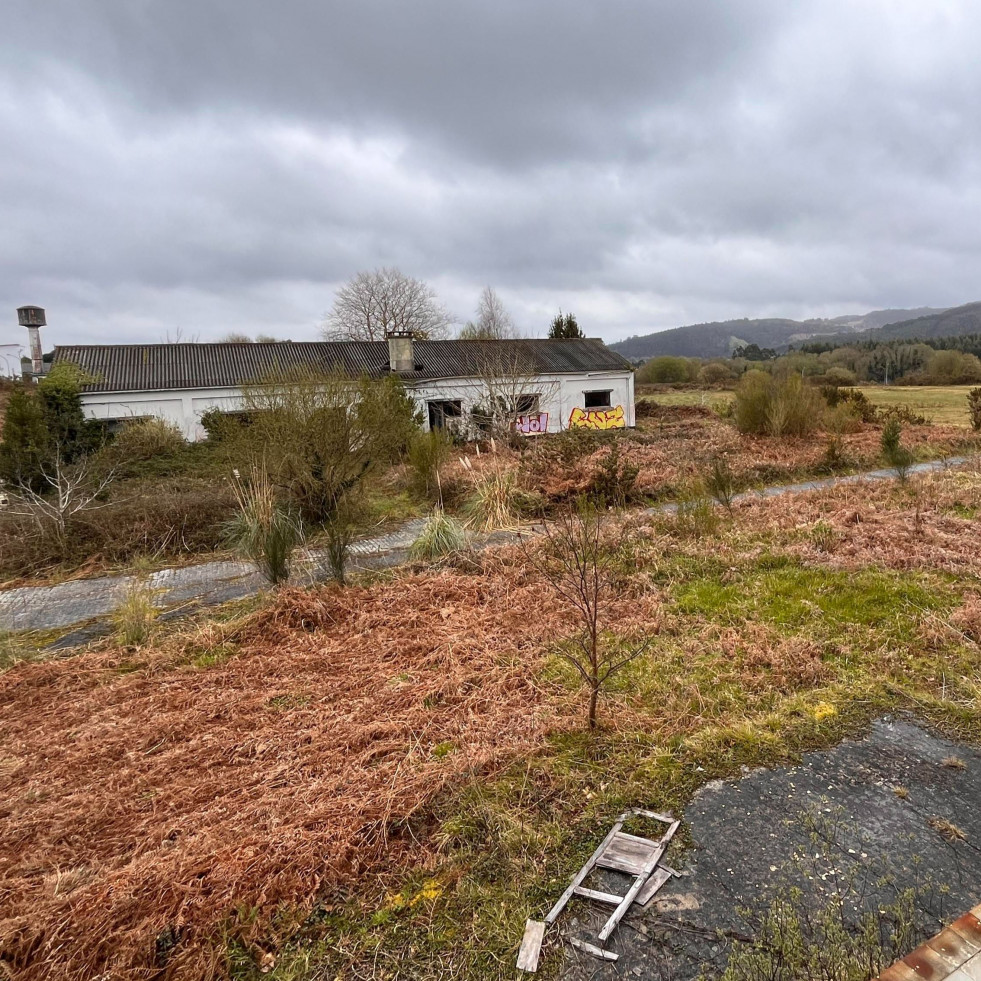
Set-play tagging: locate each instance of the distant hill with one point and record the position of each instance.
(879, 318)
(938, 323)
(717, 340)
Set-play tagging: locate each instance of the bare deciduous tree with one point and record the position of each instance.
(375, 303)
(493, 321)
(178, 337)
(69, 490)
(511, 387)
(578, 567)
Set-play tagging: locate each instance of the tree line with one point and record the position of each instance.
(935, 361)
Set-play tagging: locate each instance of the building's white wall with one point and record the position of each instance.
(560, 395)
(136, 405)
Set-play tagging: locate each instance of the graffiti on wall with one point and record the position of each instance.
(529, 425)
(599, 418)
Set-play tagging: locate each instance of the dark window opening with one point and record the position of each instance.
(597, 400)
(527, 405)
(443, 412)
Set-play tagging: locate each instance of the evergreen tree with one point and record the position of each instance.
(565, 326)
(43, 423)
(59, 393)
(26, 449)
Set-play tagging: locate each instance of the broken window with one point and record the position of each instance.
(597, 400)
(527, 405)
(443, 412)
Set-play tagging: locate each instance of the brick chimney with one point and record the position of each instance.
(401, 351)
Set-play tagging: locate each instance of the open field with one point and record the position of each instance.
(944, 405)
(386, 780)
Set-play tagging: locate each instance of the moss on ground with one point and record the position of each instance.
(25, 645)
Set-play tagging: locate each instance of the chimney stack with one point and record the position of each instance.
(401, 351)
(33, 319)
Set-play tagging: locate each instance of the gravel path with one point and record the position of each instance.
(209, 583)
(205, 584)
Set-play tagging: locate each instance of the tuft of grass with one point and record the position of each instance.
(136, 615)
(443, 749)
(441, 535)
(145, 439)
(824, 536)
(953, 763)
(495, 501)
(213, 657)
(264, 531)
(947, 829)
(694, 516)
(776, 407)
(286, 703)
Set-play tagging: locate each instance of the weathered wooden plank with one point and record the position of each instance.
(646, 894)
(631, 895)
(663, 818)
(624, 834)
(626, 853)
(600, 897)
(581, 875)
(649, 867)
(531, 946)
(606, 955)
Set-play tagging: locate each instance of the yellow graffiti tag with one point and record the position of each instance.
(599, 418)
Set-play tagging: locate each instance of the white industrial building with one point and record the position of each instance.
(551, 383)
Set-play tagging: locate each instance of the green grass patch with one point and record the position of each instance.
(942, 404)
(213, 657)
(383, 506)
(781, 591)
(17, 646)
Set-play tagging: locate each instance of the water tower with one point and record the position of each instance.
(33, 319)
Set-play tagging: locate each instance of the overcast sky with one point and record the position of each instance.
(206, 166)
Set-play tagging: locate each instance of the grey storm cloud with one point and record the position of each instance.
(223, 165)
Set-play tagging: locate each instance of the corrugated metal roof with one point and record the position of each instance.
(153, 367)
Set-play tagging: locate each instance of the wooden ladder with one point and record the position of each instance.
(621, 852)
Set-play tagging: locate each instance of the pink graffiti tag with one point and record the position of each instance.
(529, 425)
(599, 418)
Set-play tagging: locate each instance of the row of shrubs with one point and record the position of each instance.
(769, 406)
(913, 362)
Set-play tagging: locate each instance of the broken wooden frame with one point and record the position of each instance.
(620, 852)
